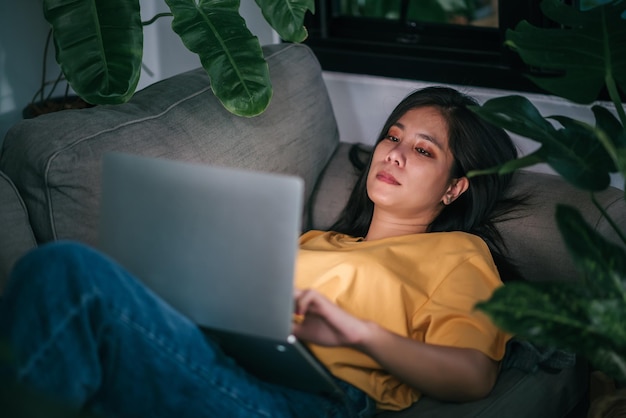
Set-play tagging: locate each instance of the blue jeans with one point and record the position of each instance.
(84, 331)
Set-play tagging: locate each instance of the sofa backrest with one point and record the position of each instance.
(534, 240)
(54, 160)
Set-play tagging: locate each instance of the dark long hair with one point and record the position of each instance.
(475, 144)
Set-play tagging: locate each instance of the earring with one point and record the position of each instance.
(448, 200)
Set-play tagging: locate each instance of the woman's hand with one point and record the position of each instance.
(446, 373)
(320, 321)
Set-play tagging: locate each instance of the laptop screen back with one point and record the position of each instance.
(218, 244)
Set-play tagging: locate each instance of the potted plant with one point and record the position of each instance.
(99, 46)
(588, 53)
(43, 101)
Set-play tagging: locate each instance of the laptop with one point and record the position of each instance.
(219, 245)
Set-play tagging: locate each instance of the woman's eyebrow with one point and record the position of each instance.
(398, 125)
(431, 139)
(424, 136)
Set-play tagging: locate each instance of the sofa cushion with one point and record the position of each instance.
(54, 160)
(16, 237)
(534, 240)
(333, 189)
(517, 394)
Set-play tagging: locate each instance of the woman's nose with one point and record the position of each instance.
(396, 155)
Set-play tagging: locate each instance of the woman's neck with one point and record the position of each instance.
(386, 226)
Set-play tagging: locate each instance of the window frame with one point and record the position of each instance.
(449, 54)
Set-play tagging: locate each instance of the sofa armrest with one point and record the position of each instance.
(55, 160)
(17, 236)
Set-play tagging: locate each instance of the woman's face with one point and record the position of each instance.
(410, 173)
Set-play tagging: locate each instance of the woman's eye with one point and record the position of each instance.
(423, 152)
(392, 138)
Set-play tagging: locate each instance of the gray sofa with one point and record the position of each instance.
(50, 172)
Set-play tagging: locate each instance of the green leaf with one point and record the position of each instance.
(509, 166)
(606, 121)
(230, 54)
(602, 263)
(586, 164)
(565, 316)
(587, 316)
(425, 11)
(621, 163)
(287, 17)
(591, 50)
(590, 4)
(518, 115)
(549, 314)
(612, 135)
(571, 151)
(604, 269)
(99, 46)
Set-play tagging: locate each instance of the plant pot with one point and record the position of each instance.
(54, 104)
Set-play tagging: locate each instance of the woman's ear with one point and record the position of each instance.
(456, 189)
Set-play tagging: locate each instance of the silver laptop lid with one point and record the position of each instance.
(218, 244)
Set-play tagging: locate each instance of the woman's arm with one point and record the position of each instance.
(446, 373)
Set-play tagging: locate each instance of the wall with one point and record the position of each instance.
(23, 33)
(164, 53)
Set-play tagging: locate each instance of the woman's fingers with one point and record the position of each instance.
(308, 300)
(318, 320)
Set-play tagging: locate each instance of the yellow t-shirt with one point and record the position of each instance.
(421, 286)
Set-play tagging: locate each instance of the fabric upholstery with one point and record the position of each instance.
(54, 160)
(534, 239)
(333, 189)
(16, 236)
(542, 394)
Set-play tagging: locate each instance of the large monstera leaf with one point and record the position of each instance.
(99, 46)
(286, 17)
(589, 54)
(230, 54)
(582, 154)
(585, 317)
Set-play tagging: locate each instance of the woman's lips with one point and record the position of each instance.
(387, 178)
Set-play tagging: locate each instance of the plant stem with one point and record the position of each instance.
(54, 86)
(43, 69)
(614, 95)
(608, 77)
(155, 18)
(606, 216)
(606, 141)
(620, 363)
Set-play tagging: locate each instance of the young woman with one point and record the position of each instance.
(385, 300)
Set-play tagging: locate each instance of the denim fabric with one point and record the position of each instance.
(86, 332)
